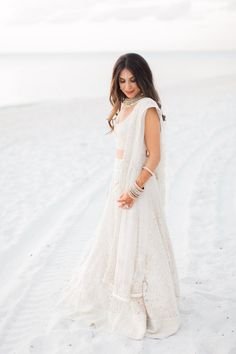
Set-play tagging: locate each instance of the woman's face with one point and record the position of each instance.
(128, 84)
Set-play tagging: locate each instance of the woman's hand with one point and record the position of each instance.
(125, 201)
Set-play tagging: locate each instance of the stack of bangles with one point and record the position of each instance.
(135, 191)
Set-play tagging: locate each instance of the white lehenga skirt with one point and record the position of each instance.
(91, 299)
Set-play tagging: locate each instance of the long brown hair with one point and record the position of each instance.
(136, 64)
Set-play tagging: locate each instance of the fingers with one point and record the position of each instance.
(127, 205)
(121, 198)
(125, 200)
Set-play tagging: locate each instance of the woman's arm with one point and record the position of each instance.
(152, 142)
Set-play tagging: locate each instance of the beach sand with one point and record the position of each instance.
(56, 163)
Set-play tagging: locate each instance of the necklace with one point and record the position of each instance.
(131, 101)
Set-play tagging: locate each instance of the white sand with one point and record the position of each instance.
(56, 162)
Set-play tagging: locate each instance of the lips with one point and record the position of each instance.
(130, 92)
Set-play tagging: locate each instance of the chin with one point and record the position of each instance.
(133, 94)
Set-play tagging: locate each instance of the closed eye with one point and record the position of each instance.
(133, 80)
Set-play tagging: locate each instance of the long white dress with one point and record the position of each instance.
(128, 283)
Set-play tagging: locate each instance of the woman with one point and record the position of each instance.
(128, 282)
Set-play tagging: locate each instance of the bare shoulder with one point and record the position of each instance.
(152, 119)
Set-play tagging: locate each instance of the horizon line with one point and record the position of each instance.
(117, 51)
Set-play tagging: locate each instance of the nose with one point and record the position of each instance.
(128, 86)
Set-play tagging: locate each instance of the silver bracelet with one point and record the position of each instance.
(137, 186)
(132, 195)
(135, 191)
(146, 168)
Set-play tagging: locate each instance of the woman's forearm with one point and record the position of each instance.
(144, 175)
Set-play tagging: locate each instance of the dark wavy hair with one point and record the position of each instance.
(136, 64)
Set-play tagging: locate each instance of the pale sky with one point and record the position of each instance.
(109, 25)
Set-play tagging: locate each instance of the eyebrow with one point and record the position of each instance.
(129, 77)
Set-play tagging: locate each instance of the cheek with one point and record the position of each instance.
(121, 86)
